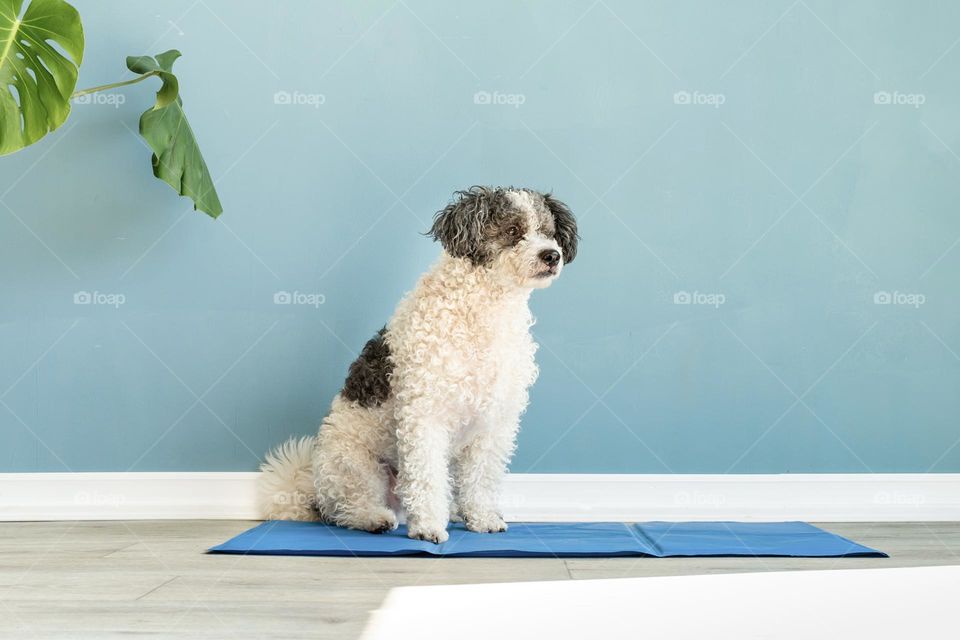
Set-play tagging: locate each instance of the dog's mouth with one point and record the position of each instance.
(549, 272)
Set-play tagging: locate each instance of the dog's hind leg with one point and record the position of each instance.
(352, 481)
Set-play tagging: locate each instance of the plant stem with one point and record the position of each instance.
(105, 87)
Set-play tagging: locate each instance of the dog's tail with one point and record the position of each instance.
(285, 489)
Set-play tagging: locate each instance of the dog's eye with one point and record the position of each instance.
(513, 231)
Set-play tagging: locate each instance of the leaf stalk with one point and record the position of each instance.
(113, 85)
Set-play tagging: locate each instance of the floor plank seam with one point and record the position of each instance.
(123, 548)
(140, 597)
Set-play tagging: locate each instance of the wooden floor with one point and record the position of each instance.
(110, 579)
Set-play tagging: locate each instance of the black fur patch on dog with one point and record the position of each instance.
(368, 381)
(566, 227)
(461, 224)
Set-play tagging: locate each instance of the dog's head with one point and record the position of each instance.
(525, 235)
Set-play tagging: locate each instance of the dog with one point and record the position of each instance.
(430, 410)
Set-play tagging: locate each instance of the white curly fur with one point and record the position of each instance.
(463, 359)
(286, 484)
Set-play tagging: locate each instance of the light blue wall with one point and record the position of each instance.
(798, 371)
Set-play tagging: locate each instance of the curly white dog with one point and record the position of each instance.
(430, 410)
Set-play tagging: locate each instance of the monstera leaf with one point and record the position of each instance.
(176, 156)
(42, 76)
(37, 81)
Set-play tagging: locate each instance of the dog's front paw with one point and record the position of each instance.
(486, 523)
(435, 534)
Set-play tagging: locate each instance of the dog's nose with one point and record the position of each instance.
(550, 256)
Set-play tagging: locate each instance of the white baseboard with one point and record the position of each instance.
(527, 497)
(128, 496)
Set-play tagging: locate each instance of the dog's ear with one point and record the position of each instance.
(566, 226)
(459, 226)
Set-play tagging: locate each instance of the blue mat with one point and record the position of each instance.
(565, 540)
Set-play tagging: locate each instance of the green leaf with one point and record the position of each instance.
(42, 76)
(176, 156)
